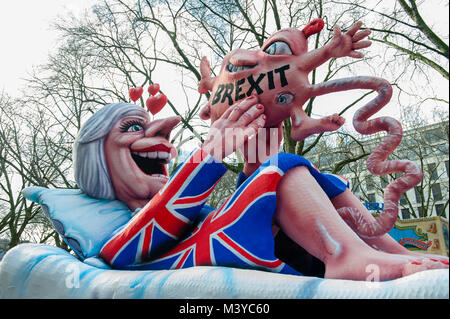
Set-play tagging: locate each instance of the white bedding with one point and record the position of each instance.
(41, 271)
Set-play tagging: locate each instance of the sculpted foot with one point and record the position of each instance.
(379, 266)
(424, 264)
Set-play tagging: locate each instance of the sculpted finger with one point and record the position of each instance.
(356, 54)
(361, 45)
(227, 112)
(242, 106)
(336, 32)
(255, 125)
(251, 114)
(361, 35)
(351, 32)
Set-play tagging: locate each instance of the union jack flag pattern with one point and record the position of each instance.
(168, 215)
(238, 234)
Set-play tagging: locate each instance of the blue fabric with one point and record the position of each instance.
(331, 184)
(84, 222)
(241, 178)
(239, 234)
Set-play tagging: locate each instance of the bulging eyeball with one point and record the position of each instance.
(285, 98)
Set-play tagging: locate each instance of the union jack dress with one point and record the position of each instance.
(172, 232)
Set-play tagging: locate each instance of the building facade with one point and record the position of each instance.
(427, 146)
(422, 223)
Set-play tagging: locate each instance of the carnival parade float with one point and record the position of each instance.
(138, 233)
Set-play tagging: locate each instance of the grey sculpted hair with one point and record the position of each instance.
(91, 171)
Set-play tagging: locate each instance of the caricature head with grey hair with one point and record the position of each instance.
(120, 153)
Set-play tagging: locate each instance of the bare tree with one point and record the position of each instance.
(128, 43)
(27, 158)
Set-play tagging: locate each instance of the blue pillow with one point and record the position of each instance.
(85, 223)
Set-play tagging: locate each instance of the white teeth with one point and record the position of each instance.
(159, 175)
(163, 155)
(152, 154)
(160, 155)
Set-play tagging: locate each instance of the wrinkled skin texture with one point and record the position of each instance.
(278, 74)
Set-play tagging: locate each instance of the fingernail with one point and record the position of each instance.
(251, 97)
(259, 106)
(264, 117)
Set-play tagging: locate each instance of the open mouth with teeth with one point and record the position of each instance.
(152, 163)
(236, 68)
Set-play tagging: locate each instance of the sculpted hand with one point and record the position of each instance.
(260, 148)
(236, 125)
(347, 44)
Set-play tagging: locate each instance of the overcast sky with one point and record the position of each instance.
(27, 36)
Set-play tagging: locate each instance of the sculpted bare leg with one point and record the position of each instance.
(308, 217)
(385, 242)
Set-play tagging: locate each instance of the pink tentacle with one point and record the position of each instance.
(377, 162)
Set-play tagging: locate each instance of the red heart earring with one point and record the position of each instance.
(156, 103)
(153, 89)
(135, 93)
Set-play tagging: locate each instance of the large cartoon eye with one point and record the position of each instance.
(278, 48)
(135, 128)
(285, 98)
(131, 126)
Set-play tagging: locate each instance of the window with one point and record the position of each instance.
(436, 190)
(440, 210)
(446, 167)
(369, 183)
(422, 211)
(371, 198)
(384, 181)
(432, 170)
(442, 149)
(403, 200)
(355, 185)
(406, 214)
(434, 135)
(418, 193)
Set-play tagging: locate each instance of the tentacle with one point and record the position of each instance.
(377, 162)
(206, 83)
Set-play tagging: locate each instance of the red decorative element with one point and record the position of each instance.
(153, 89)
(416, 263)
(414, 242)
(135, 93)
(445, 262)
(156, 103)
(313, 27)
(154, 148)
